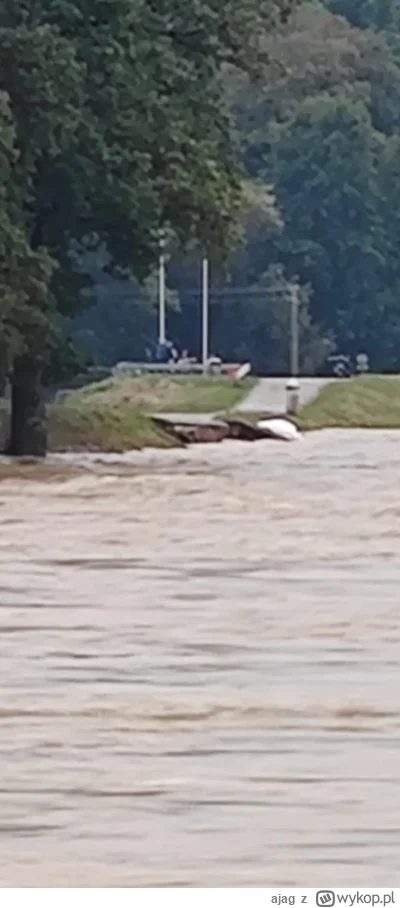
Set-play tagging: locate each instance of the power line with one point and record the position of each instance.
(239, 291)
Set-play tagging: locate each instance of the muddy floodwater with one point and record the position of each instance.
(200, 667)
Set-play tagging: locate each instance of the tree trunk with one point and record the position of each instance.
(28, 436)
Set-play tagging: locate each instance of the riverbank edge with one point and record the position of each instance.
(117, 415)
(83, 423)
(362, 402)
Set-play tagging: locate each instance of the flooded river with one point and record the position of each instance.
(200, 667)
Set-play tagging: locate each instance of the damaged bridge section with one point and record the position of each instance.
(202, 429)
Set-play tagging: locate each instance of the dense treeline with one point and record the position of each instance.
(320, 139)
(264, 132)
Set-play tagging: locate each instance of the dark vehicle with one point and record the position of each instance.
(341, 366)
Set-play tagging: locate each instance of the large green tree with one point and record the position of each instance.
(119, 128)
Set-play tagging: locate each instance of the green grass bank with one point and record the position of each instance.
(113, 415)
(163, 394)
(367, 402)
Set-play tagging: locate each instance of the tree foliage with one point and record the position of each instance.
(324, 131)
(115, 126)
(216, 122)
(319, 134)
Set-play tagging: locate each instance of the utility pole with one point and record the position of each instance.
(205, 315)
(292, 384)
(161, 291)
(294, 330)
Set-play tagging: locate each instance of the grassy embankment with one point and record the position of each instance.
(367, 402)
(113, 415)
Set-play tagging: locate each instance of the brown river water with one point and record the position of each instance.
(200, 659)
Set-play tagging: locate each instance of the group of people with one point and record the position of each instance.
(166, 353)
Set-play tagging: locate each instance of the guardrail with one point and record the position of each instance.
(239, 370)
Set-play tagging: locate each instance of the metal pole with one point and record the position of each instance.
(294, 332)
(161, 293)
(292, 384)
(204, 345)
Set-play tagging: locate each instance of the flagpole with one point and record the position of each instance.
(294, 331)
(161, 292)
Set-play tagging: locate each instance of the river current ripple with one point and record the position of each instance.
(199, 667)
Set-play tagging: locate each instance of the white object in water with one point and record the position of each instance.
(280, 428)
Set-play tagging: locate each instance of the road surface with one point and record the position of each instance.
(269, 394)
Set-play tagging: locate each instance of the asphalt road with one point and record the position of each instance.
(269, 394)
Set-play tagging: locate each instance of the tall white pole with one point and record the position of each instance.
(161, 294)
(292, 384)
(204, 317)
